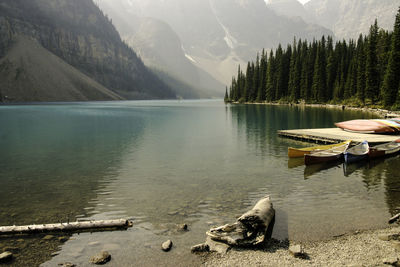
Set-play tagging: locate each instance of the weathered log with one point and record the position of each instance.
(71, 226)
(249, 229)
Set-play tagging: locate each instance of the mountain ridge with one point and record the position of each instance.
(77, 32)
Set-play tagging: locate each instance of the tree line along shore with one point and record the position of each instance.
(358, 73)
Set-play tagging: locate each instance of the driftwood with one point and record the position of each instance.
(250, 229)
(71, 226)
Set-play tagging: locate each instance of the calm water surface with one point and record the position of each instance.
(162, 163)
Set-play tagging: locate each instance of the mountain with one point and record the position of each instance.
(161, 49)
(291, 9)
(48, 77)
(78, 33)
(347, 19)
(215, 35)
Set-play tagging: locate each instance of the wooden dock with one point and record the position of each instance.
(335, 135)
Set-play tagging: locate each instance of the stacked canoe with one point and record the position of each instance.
(381, 126)
(335, 152)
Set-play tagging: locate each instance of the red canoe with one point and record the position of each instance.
(370, 126)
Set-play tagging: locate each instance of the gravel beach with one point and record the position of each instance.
(367, 248)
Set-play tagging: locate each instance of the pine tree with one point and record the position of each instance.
(226, 98)
(263, 78)
(361, 69)
(331, 68)
(371, 73)
(270, 88)
(392, 78)
(319, 79)
(248, 82)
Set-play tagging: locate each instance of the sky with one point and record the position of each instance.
(303, 1)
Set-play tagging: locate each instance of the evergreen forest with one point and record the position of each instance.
(363, 72)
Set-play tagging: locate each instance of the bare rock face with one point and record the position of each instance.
(101, 258)
(166, 246)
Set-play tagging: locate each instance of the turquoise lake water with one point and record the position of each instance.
(163, 163)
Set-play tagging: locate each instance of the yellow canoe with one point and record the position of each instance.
(300, 152)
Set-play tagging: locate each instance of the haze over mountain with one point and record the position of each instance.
(348, 18)
(215, 35)
(78, 55)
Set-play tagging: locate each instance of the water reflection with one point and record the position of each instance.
(163, 163)
(53, 158)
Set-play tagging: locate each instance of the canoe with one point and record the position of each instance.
(386, 149)
(332, 154)
(300, 152)
(356, 153)
(370, 126)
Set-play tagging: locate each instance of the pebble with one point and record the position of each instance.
(6, 256)
(200, 248)
(48, 237)
(296, 250)
(396, 245)
(63, 239)
(101, 258)
(12, 249)
(183, 227)
(167, 245)
(388, 237)
(391, 261)
(67, 264)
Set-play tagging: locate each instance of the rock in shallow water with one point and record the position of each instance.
(101, 258)
(167, 245)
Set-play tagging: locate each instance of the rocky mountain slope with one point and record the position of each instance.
(347, 19)
(77, 32)
(291, 9)
(215, 35)
(28, 72)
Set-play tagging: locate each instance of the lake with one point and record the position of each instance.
(163, 163)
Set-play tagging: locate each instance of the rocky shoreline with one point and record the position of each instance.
(366, 248)
(382, 113)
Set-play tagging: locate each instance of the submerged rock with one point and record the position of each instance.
(101, 258)
(167, 245)
(5, 256)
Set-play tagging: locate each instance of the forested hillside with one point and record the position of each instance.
(357, 72)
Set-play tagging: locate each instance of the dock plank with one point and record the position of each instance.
(335, 135)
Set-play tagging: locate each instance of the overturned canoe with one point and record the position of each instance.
(386, 149)
(332, 154)
(370, 126)
(300, 152)
(357, 153)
